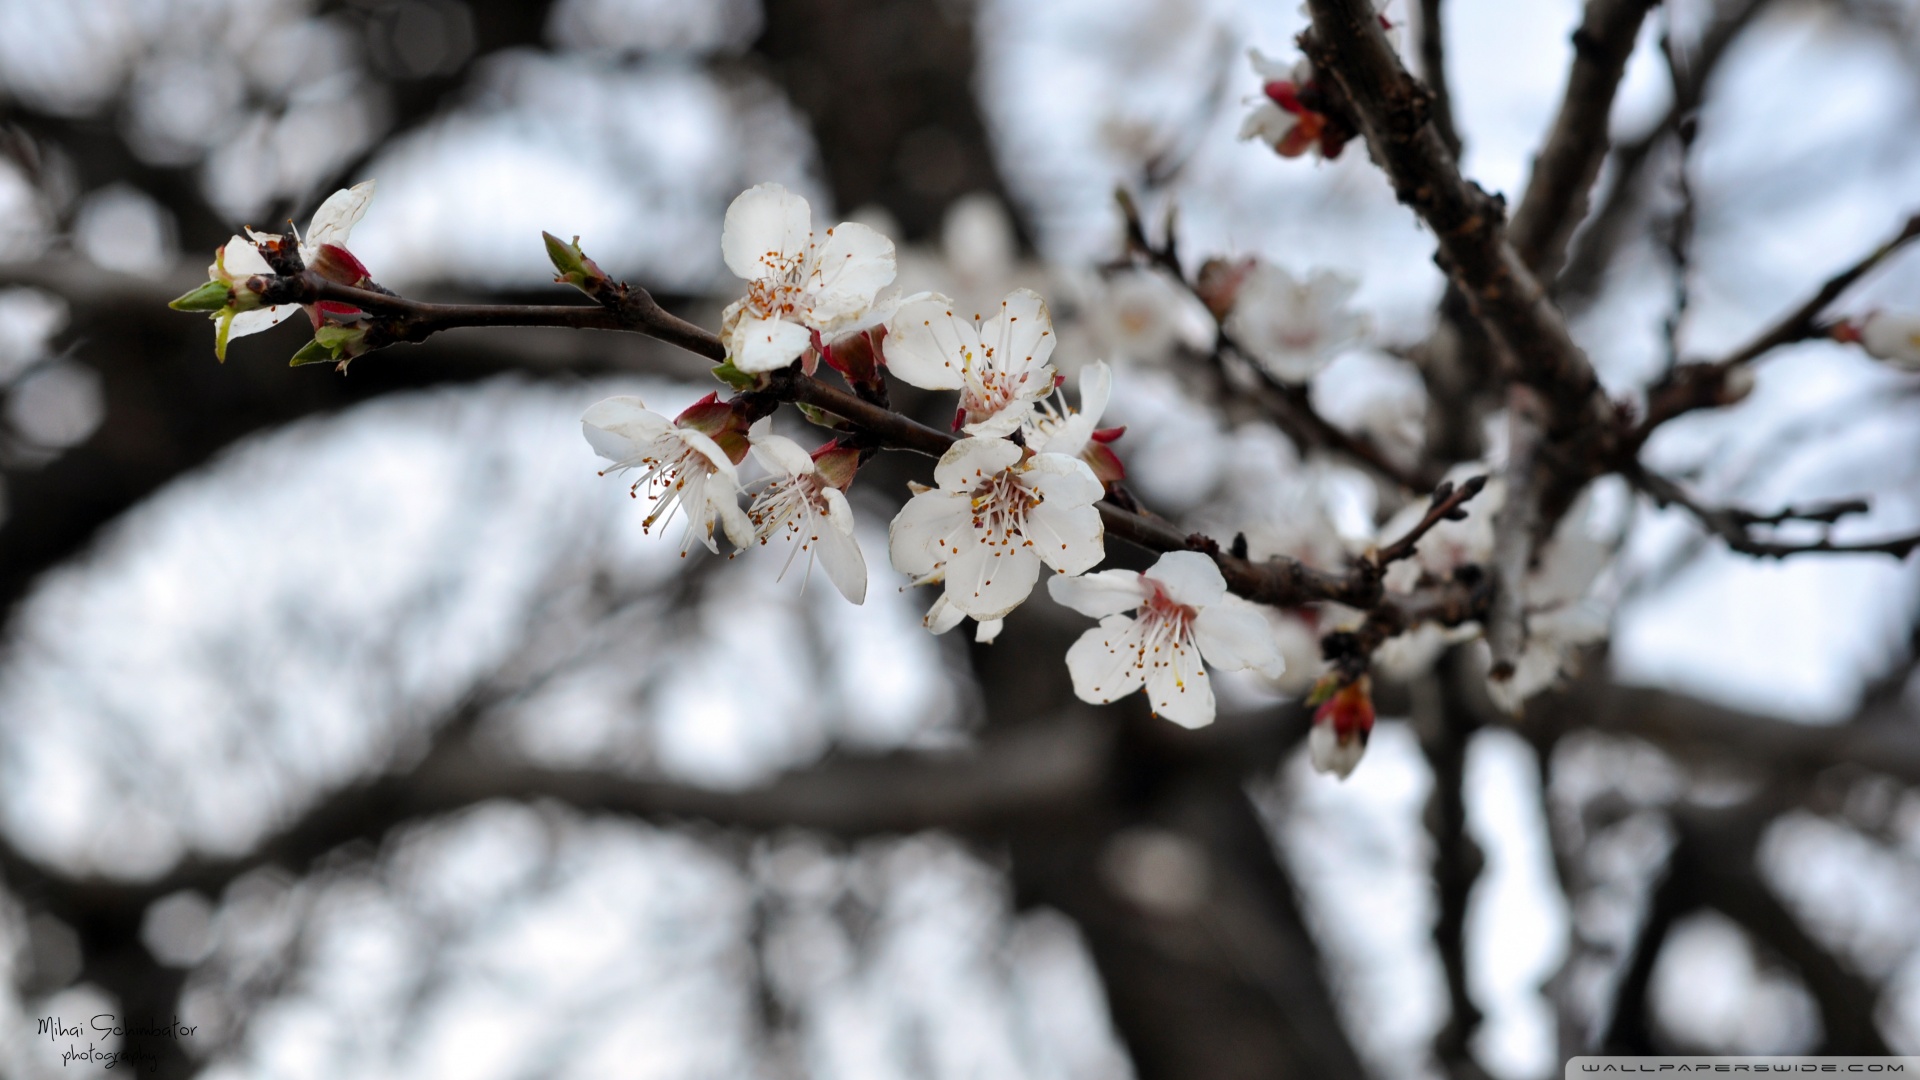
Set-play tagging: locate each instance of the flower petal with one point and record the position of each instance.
(1189, 578)
(1233, 634)
(767, 230)
(988, 582)
(618, 428)
(1179, 688)
(928, 345)
(241, 258)
(757, 344)
(781, 455)
(1020, 337)
(1109, 592)
(1096, 389)
(838, 551)
(987, 630)
(252, 322)
(917, 539)
(1329, 756)
(335, 219)
(1105, 662)
(1071, 539)
(970, 461)
(852, 267)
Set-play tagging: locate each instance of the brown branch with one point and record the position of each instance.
(1433, 69)
(1734, 525)
(1600, 237)
(1393, 109)
(1576, 145)
(1445, 505)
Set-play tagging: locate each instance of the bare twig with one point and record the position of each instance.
(1704, 384)
(1446, 505)
(1733, 525)
(1393, 108)
(1569, 160)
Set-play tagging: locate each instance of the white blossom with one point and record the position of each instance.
(240, 257)
(1185, 616)
(1892, 336)
(996, 516)
(685, 470)
(801, 504)
(1563, 613)
(999, 365)
(1139, 315)
(1293, 328)
(799, 284)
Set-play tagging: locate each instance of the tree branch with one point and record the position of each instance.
(1734, 525)
(1569, 160)
(1433, 69)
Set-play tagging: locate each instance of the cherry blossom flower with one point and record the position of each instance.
(1289, 116)
(998, 513)
(1893, 336)
(684, 468)
(1000, 366)
(1292, 328)
(805, 501)
(1562, 611)
(1341, 727)
(1058, 429)
(1185, 616)
(1140, 316)
(323, 249)
(803, 289)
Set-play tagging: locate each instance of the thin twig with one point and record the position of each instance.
(1446, 505)
(1703, 384)
(1733, 525)
(1433, 68)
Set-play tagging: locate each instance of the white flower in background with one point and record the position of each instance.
(1279, 119)
(1000, 366)
(683, 468)
(1057, 429)
(798, 284)
(997, 514)
(1292, 328)
(1342, 726)
(1185, 617)
(803, 503)
(239, 259)
(1137, 315)
(1893, 336)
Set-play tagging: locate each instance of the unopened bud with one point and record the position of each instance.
(1219, 283)
(574, 267)
(209, 296)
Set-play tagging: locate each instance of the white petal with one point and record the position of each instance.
(1892, 336)
(767, 230)
(1020, 337)
(1179, 688)
(917, 539)
(1233, 634)
(988, 629)
(724, 498)
(1011, 418)
(1328, 756)
(838, 551)
(1189, 578)
(618, 427)
(928, 345)
(252, 322)
(1267, 67)
(242, 259)
(852, 267)
(336, 218)
(970, 461)
(700, 441)
(1269, 123)
(989, 582)
(1096, 389)
(1105, 662)
(757, 344)
(779, 454)
(1064, 480)
(1072, 539)
(1109, 592)
(942, 616)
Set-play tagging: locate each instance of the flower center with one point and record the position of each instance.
(1000, 508)
(777, 293)
(790, 504)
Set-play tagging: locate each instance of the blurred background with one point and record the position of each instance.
(354, 722)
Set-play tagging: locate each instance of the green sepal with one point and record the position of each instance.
(574, 267)
(821, 417)
(313, 352)
(208, 296)
(1325, 687)
(734, 377)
